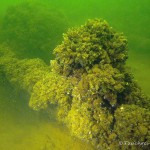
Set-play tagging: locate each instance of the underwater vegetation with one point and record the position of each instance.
(89, 83)
(22, 73)
(32, 29)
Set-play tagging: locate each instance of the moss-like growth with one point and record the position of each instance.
(132, 125)
(22, 73)
(90, 83)
(93, 43)
(51, 89)
(32, 29)
(96, 95)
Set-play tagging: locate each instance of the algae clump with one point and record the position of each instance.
(95, 93)
(96, 86)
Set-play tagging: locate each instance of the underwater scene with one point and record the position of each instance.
(74, 75)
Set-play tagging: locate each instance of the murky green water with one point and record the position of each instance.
(24, 129)
(21, 128)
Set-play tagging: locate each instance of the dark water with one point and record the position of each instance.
(24, 129)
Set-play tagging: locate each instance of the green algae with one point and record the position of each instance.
(26, 129)
(88, 84)
(74, 106)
